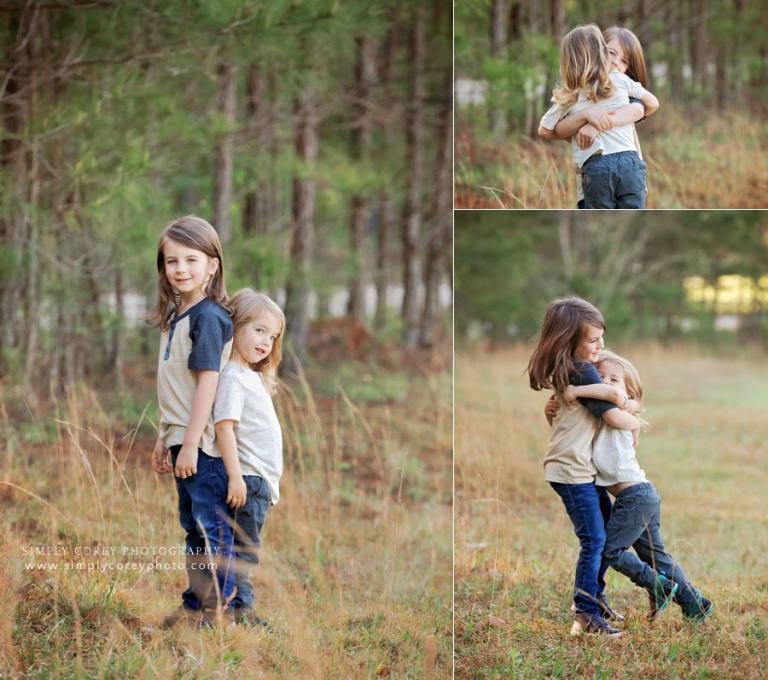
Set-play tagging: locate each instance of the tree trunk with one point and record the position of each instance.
(365, 76)
(675, 58)
(257, 202)
(414, 160)
(557, 19)
(222, 195)
(439, 245)
(498, 31)
(118, 333)
(302, 237)
(386, 202)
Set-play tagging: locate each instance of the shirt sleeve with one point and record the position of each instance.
(209, 332)
(230, 400)
(553, 116)
(586, 374)
(634, 88)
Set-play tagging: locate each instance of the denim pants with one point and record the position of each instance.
(636, 523)
(203, 514)
(615, 180)
(249, 522)
(589, 508)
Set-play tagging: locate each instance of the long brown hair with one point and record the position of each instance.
(247, 305)
(585, 66)
(633, 51)
(193, 232)
(552, 362)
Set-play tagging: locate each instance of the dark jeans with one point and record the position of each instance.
(615, 180)
(203, 513)
(636, 523)
(249, 520)
(589, 508)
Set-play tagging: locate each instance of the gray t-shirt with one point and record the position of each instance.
(242, 396)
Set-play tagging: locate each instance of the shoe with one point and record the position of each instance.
(591, 623)
(210, 618)
(660, 595)
(248, 617)
(182, 613)
(605, 609)
(699, 608)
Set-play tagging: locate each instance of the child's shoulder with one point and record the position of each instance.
(210, 309)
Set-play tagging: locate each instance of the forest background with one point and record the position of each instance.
(707, 63)
(317, 138)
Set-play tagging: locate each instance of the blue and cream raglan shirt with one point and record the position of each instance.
(200, 339)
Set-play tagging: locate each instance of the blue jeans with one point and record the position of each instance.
(250, 521)
(589, 508)
(203, 513)
(636, 523)
(615, 180)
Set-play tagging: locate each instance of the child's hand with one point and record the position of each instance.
(569, 396)
(632, 406)
(599, 118)
(236, 492)
(552, 407)
(186, 463)
(160, 458)
(635, 437)
(586, 136)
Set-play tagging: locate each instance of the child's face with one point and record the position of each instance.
(618, 58)
(254, 341)
(187, 270)
(590, 344)
(612, 373)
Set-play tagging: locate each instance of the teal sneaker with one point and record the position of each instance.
(698, 608)
(660, 595)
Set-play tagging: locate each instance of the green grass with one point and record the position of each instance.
(516, 550)
(355, 572)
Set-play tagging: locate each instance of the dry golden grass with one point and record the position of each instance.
(716, 162)
(515, 548)
(355, 572)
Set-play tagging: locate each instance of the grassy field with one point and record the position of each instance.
(355, 575)
(716, 162)
(516, 550)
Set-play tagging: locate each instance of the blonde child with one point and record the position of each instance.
(194, 345)
(595, 92)
(636, 516)
(569, 343)
(248, 432)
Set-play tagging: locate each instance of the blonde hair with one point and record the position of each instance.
(552, 362)
(631, 377)
(585, 66)
(633, 51)
(193, 232)
(247, 305)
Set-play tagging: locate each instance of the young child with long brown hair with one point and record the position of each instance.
(596, 92)
(195, 343)
(248, 433)
(635, 520)
(569, 343)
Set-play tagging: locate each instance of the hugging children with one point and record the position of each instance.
(601, 95)
(227, 469)
(591, 454)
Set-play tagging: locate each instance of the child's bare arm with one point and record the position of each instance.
(650, 104)
(202, 403)
(621, 420)
(551, 408)
(227, 443)
(595, 391)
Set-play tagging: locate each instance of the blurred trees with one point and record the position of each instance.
(302, 130)
(652, 274)
(710, 54)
